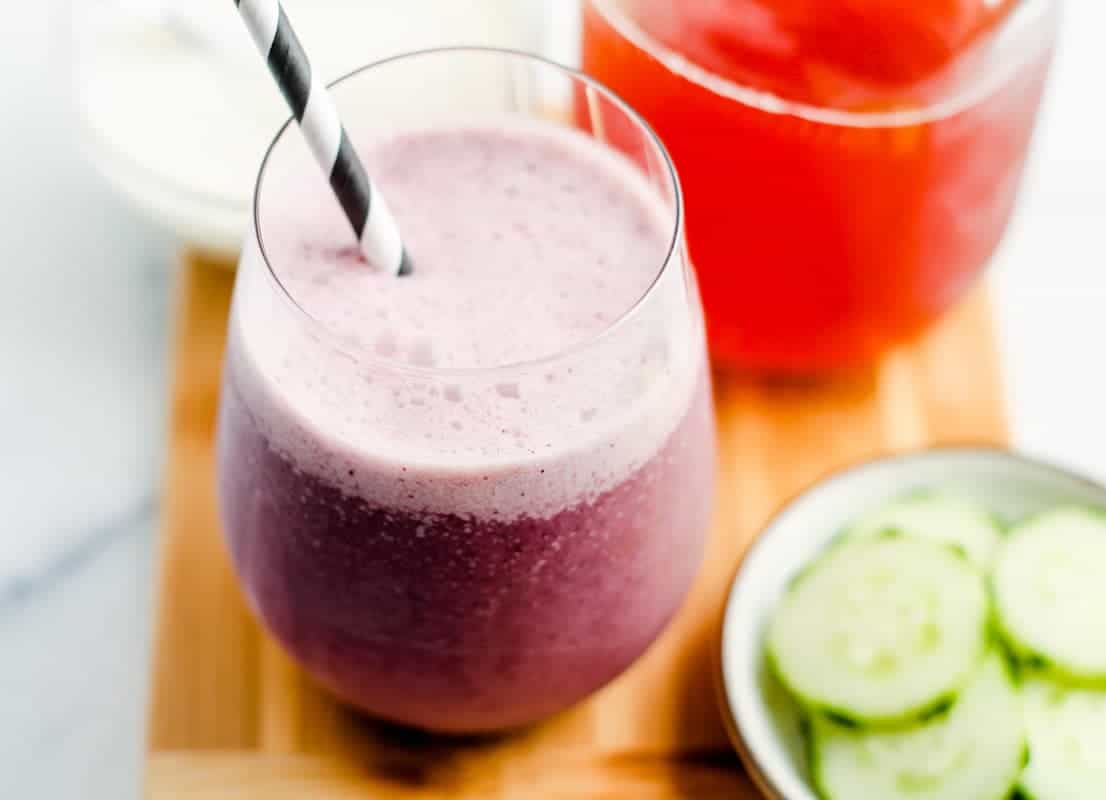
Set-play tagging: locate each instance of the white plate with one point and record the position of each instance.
(763, 722)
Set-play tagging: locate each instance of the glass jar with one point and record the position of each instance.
(837, 204)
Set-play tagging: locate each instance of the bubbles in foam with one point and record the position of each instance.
(422, 353)
(386, 345)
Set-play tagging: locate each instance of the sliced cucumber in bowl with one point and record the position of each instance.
(1049, 589)
(941, 516)
(975, 751)
(980, 504)
(880, 630)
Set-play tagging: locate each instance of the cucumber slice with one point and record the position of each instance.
(1067, 742)
(941, 516)
(880, 630)
(1049, 586)
(974, 752)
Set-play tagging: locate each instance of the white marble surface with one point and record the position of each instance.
(1051, 270)
(82, 342)
(83, 295)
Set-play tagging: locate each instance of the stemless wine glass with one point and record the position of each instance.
(824, 231)
(468, 548)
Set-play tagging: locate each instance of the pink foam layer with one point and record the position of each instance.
(529, 242)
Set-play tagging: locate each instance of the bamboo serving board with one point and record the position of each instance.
(232, 718)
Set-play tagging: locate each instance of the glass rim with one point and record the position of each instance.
(365, 355)
(963, 98)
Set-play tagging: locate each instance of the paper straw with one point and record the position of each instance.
(314, 110)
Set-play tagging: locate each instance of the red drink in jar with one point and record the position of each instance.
(849, 166)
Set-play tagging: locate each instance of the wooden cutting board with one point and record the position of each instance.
(232, 718)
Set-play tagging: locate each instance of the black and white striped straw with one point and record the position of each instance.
(317, 116)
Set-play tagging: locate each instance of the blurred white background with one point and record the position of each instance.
(83, 328)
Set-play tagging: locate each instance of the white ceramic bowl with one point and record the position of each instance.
(762, 720)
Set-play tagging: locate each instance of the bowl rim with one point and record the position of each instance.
(760, 774)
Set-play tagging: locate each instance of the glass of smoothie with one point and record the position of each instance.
(466, 498)
(850, 165)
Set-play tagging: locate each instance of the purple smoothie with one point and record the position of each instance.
(466, 499)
